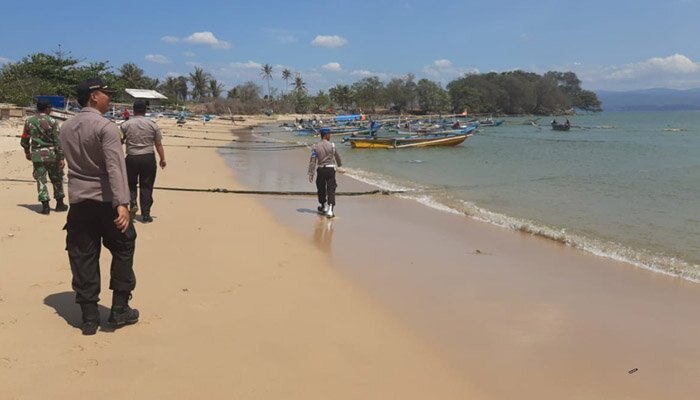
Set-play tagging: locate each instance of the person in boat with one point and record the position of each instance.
(373, 127)
(324, 160)
(554, 122)
(567, 123)
(456, 125)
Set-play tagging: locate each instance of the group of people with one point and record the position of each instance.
(102, 191)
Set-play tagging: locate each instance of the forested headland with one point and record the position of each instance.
(500, 93)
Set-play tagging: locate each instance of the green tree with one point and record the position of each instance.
(431, 97)
(321, 102)
(342, 96)
(182, 89)
(368, 93)
(215, 88)
(52, 74)
(267, 75)
(401, 93)
(200, 83)
(132, 76)
(286, 76)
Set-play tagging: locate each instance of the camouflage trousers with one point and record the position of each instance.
(41, 169)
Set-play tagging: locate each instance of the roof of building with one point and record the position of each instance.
(144, 94)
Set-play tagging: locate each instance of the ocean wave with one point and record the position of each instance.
(441, 200)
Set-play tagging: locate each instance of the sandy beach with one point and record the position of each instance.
(233, 305)
(259, 298)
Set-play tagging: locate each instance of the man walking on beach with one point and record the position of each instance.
(43, 149)
(324, 160)
(99, 196)
(140, 136)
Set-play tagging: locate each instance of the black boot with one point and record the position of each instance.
(45, 209)
(91, 318)
(60, 205)
(121, 313)
(146, 218)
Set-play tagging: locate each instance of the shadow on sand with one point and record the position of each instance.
(32, 207)
(66, 308)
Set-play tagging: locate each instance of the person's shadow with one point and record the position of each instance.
(66, 308)
(32, 207)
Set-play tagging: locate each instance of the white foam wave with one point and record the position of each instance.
(666, 265)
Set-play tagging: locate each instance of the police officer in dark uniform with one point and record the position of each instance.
(98, 194)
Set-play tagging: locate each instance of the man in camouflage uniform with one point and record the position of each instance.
(43, 149)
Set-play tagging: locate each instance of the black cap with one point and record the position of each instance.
(86, 87)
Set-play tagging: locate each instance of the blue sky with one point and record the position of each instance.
(614, 45)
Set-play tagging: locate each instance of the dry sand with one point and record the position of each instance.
(233, 305)
(257, 297)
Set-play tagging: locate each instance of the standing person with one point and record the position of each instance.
(140, 136)
(42, 147)
(99, 195)
(126, 114)
(324, 160)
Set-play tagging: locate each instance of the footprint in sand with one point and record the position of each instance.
(89, 364)
(6, 362)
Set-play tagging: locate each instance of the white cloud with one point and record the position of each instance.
(363, 73)
(157, 58)
(443, 71)
(193, 64)
(332, 66)
(189, 54)
(169, 39)
(525, 38)
(442, 63)
(207, 39)
(281, 36)
(329, 41)
(4, 60)
(245, 65)
(676, 72)
(173, 74)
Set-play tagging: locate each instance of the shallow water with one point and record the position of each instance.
(621, 185)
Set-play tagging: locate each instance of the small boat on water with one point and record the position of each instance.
(561, 127)
(445, 138)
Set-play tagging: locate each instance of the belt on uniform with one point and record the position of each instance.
(327, 166)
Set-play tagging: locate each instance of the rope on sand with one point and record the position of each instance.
(258, 192)
(278, 193)
(258, 148)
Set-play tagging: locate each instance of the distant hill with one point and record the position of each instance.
(650, 100)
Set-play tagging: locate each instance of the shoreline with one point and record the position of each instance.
(565, 309)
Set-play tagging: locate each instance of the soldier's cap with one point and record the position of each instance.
(86, 87)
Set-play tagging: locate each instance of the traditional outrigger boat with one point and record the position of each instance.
(561, 127)
(445, 138)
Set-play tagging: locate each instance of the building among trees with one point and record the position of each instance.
(151, 97)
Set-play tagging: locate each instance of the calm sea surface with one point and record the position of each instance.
(620, 185)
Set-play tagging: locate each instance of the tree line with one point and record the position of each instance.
(505, 93)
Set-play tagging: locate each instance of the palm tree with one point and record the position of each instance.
(299, 84)
(131, 75)
(182, 89)
(215, 88)
(286, 75)
(169, 87)
(267, 75)
(200, 83)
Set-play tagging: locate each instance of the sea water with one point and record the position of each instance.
(619, 185)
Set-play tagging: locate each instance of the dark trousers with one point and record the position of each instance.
(91, 223)
(325, 183)
(142, 169)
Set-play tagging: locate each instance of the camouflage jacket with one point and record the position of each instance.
(40, 139)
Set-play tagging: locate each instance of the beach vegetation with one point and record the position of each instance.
(267, 75)
(200, 84)
(505, 93)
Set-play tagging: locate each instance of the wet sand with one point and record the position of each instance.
(519, 316)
